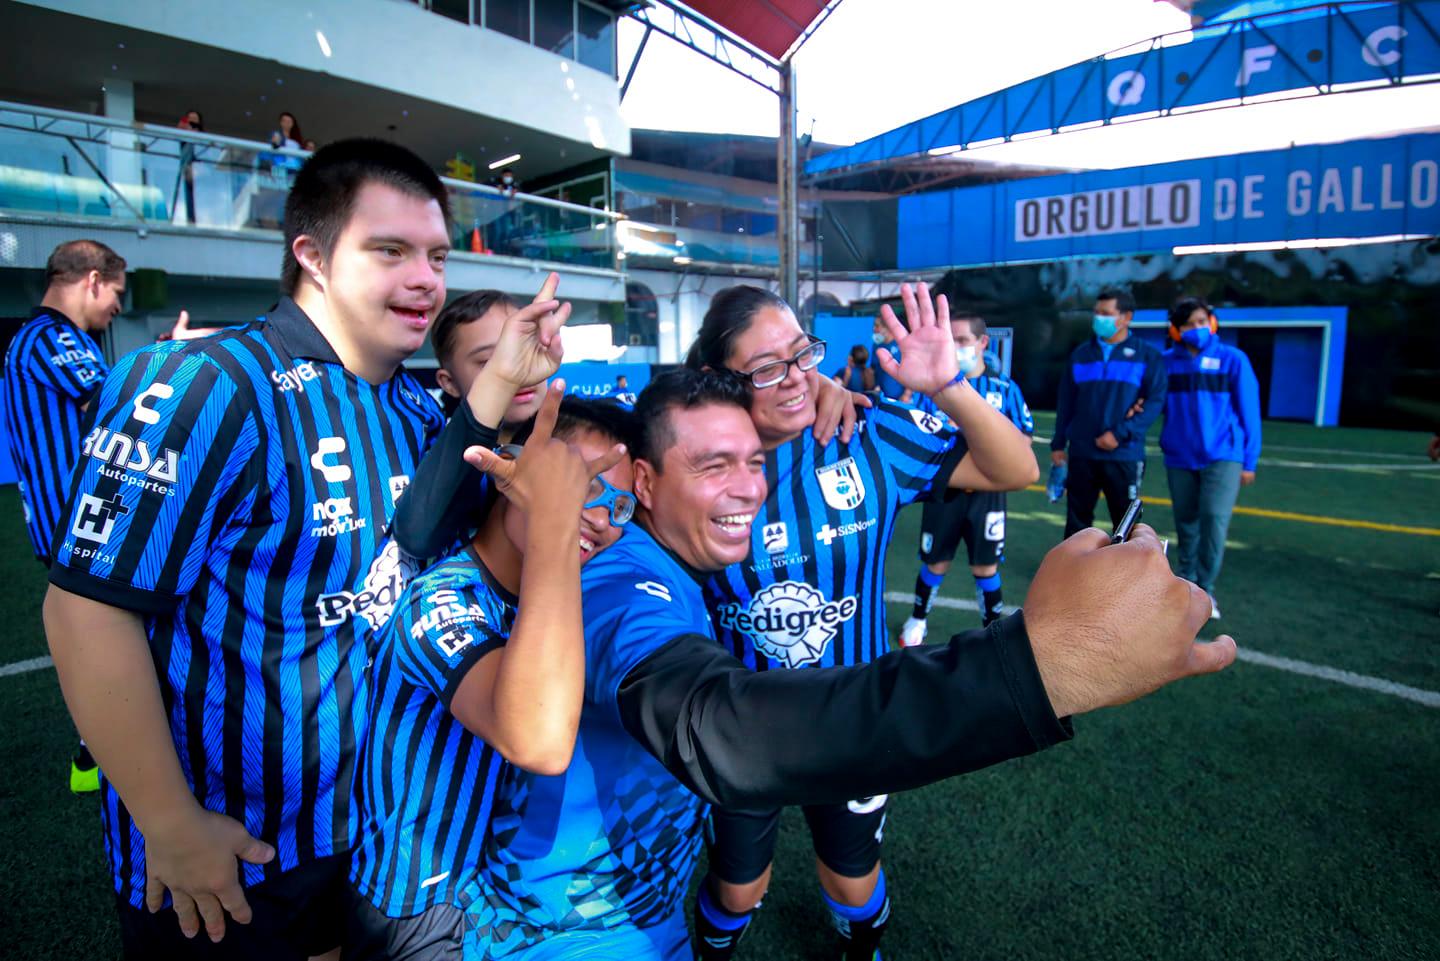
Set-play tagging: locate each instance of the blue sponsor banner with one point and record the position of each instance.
(1363, 188)
(594, 379)
(1302, 51)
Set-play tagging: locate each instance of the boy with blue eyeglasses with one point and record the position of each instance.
(1112, 391)
(1211, 438)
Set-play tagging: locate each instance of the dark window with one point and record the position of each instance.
(510, 17)
(454, 9)
(642, 315)
(597, 39)
(555, 26)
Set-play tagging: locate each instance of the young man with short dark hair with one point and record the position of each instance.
(1112, 391)
(206, 603)
(975, 517)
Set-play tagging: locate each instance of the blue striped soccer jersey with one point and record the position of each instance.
(1001, 393)
(426, 783)
(812, 591)
(608, 846)
(234, 492)
(52, 370)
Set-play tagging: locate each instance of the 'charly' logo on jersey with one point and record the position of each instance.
(841, 484)
(95, 518)
(146, 414)
(790, 622)
(775, 537)
(929, 423)
(295, 378)
(995, 526)
(444, 623)
(375, 601)
(655, 589)
(331, 447)
(125, 457)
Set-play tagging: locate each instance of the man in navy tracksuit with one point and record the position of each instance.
(1211, 438)
(1113, 389)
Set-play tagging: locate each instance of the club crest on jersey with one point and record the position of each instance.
(995, 399)
(841, 484)
(775, 537)
(375, 601)
(1209, 363)
(790, 621)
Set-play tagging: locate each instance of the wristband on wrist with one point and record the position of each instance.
(957, 379)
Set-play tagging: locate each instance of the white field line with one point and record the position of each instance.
(1305, 668)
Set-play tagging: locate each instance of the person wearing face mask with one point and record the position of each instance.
(885, 344)
(975, 517)
(1112, 391)
(1211, 438)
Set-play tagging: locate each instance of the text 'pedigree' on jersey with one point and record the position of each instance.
(790, 621)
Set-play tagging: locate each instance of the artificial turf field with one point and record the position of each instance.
(1257, 814)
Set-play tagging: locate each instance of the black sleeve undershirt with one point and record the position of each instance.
(751, 740)
(444, 496)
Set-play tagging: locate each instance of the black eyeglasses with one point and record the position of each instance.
(768, 375)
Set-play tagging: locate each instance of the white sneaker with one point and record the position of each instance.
(1214, 609)
(913, 633)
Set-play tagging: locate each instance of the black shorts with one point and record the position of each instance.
(977, 518)
(295, 915)
(434, 934)
(846, 838)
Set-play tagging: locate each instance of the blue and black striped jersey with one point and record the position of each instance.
(52, 369)
(234, 491)
(812, 591)
(610, 844)
(425, 783)
(999, 392)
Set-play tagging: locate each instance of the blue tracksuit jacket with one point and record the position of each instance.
(1095, 394)
(1212, 408)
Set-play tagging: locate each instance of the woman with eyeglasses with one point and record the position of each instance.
(811, 593)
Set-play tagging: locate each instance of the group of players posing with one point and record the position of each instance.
(510, 752)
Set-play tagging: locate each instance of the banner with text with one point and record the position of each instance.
(1307, 52)
(1363, 188)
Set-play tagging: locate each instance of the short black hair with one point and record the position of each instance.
(73, 260)
(323, 197)
(681, 389)
(463, 310)
(730, 313)
(1124, 301)
(978, 327)
(1186, 306)
(604, 417)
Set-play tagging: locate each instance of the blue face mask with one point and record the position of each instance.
(1103, 326)
(1196, 337)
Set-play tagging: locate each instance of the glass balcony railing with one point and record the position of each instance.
(57, 163)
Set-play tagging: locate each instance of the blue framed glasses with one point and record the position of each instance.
(602, 493)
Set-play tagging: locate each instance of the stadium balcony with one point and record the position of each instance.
(202, 205)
